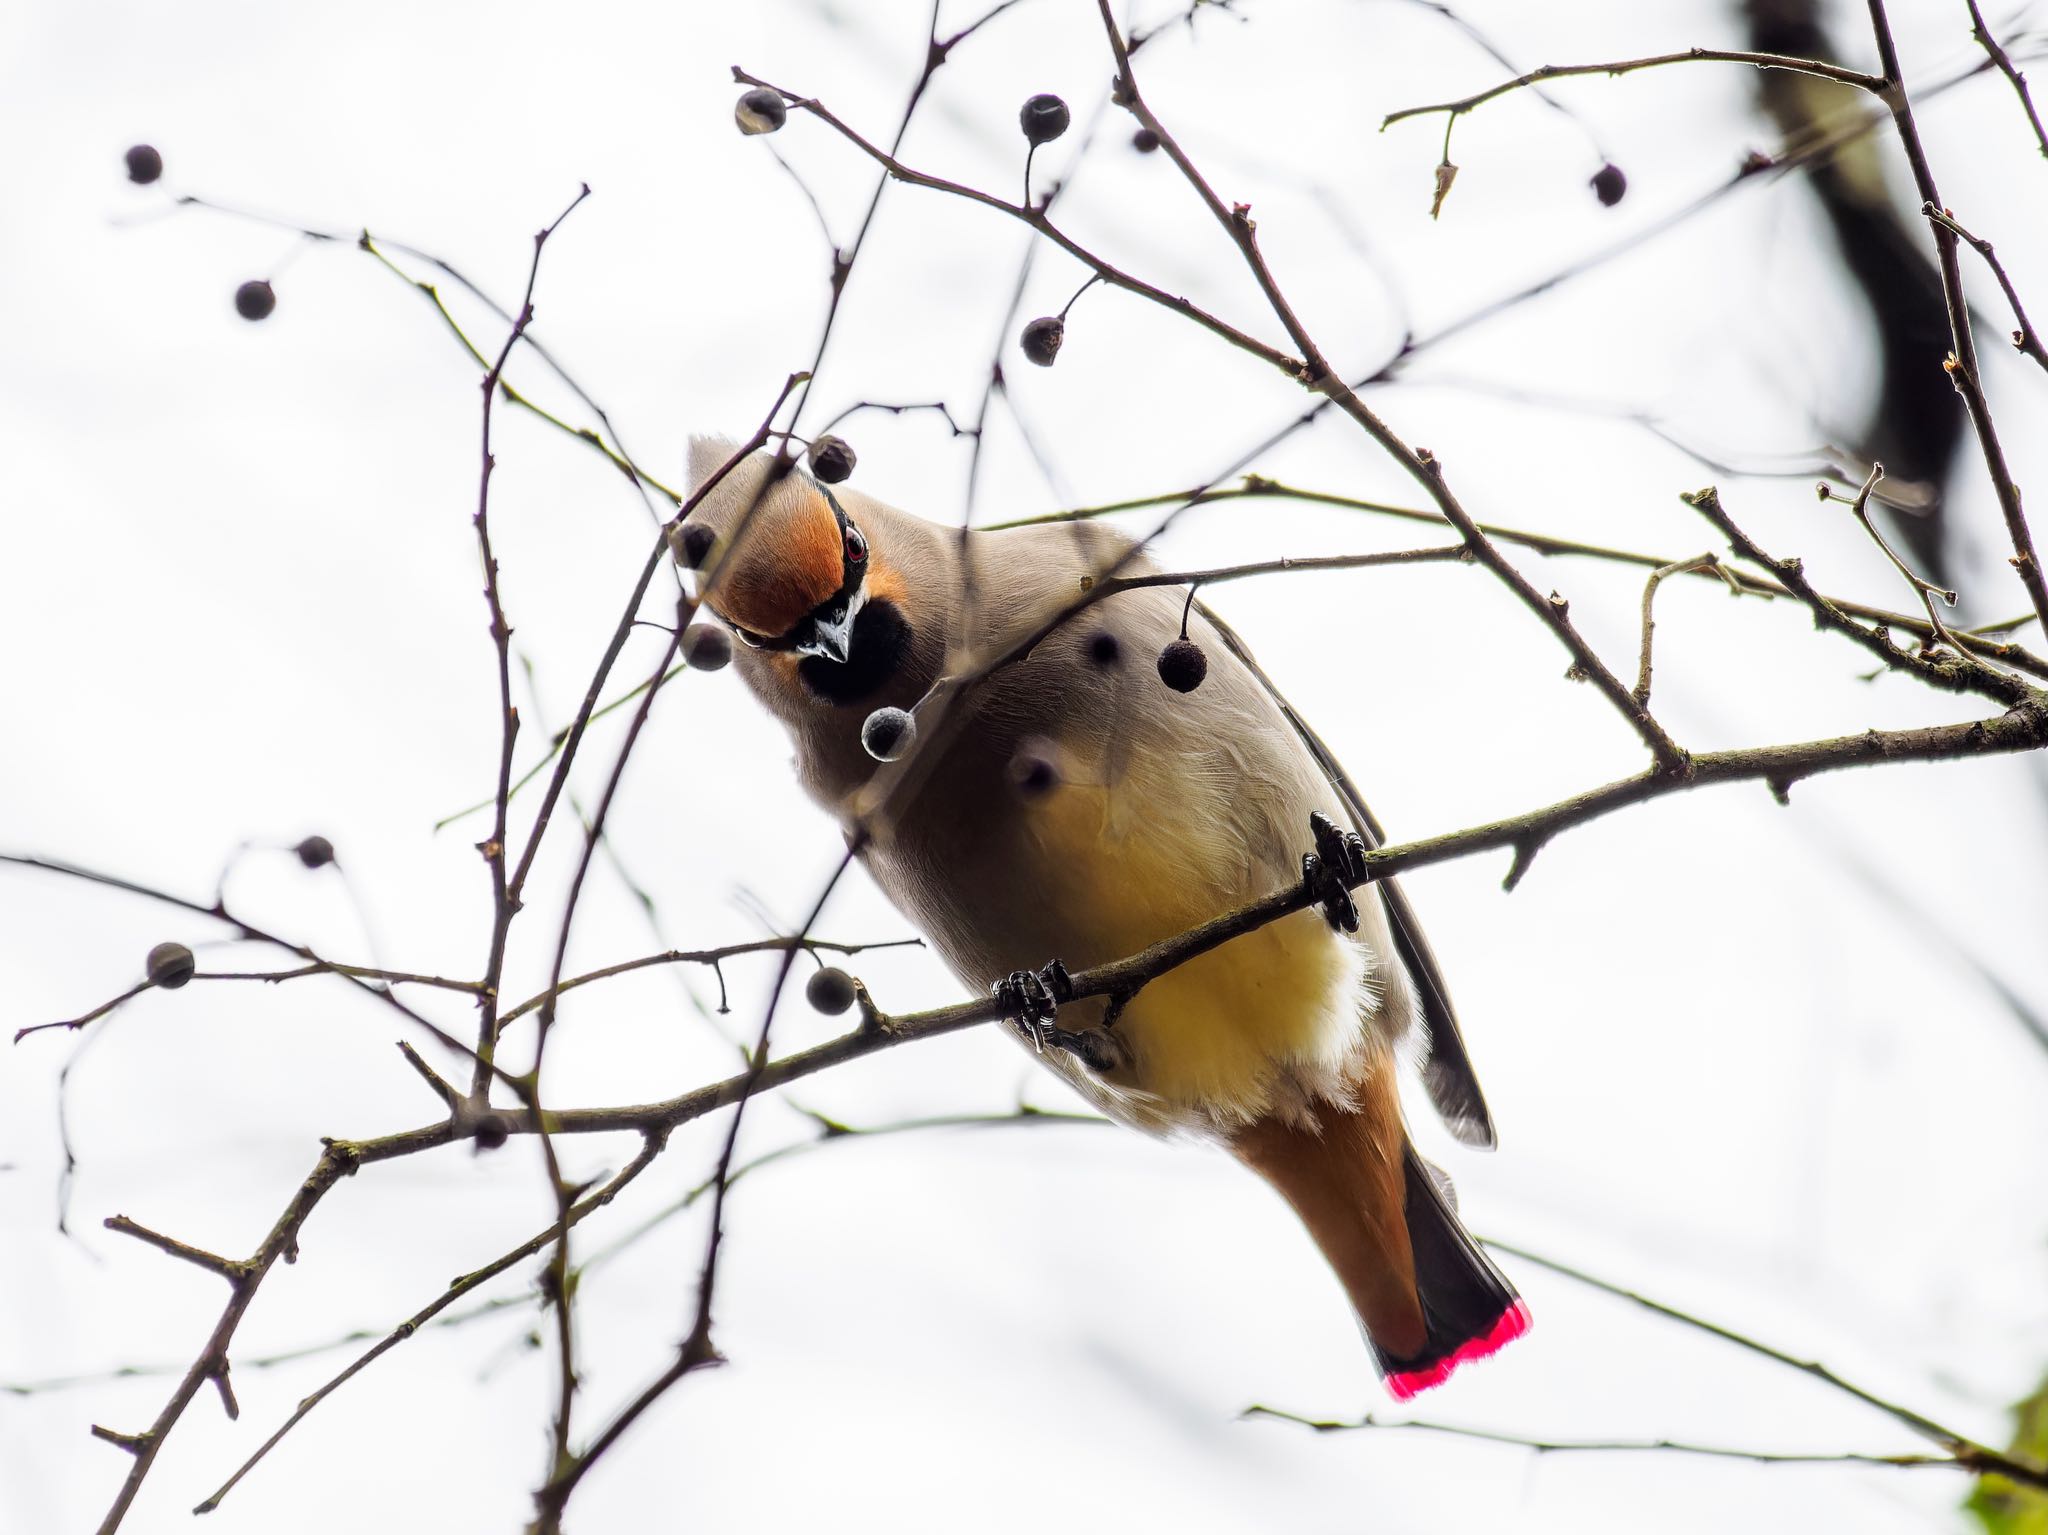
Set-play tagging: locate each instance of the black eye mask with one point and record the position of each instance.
(881, 644)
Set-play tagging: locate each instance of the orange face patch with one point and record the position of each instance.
(885, 582)
(790, 558)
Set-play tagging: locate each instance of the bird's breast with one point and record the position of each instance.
(1088, 872)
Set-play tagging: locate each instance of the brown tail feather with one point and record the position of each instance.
(1344, 1179)
(1429, 1299)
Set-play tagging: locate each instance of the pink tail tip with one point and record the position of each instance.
(1513, 1322)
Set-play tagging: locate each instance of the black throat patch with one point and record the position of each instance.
(881, 644)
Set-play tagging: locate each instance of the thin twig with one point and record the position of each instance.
(336, 1161)
(512, 395)
(2026, 339)
(442, 1088)
(245, 928)
(504, 902)
(1955, 673)
(1816, 67)
(2003, 61)
(1968, 1452)
(1605, 1446)
(1038, 220)
(432, 1313)
(597, 1200)
(1962, 365)
(1926, 590)
(228, 1268)
(1259, 486)
(1420, 464)
(696, 1351)
(1699, 562)
(703, 957)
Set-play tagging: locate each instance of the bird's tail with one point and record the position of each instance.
(1469, 1308)
(1428, 1298)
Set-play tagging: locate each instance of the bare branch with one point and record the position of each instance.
(649, 1149)
(1604, 1446)
(1699, 562)
(1927, 591)
(1420, 464)
(2003, 61)
(1816, 67)
(1259, 486)
(706, 957)
(337, 1160)
(504, 900)
(443, 1089)
(1038, 220)
(1966, 1451)
(2026, 339)
(1958, 673)
(1963, 366)
(230, 1269)
(87, 1017)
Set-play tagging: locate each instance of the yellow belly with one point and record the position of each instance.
(1214, 1033)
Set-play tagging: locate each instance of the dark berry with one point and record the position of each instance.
(760, 111)
(830, 991)
(1104, 648)
(692, 543)
(315, 852)
(1042, 338)
(1609, 185)
(1182, 666)
(170, 965)
(1144, 141)
(831, 459)
(707, 647)
(888, 734)
(144, 164)
(1043, 119)
(255, 300)
(490, 1131)
(1034, 769)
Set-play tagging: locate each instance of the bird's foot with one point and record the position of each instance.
(1328, 872)
(1031, 1000)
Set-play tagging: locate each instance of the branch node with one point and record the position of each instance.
(1526, 849)
(134, 1444)
(227, 1392)
(872, 1018)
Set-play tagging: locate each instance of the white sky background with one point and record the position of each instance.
(1737, 1057)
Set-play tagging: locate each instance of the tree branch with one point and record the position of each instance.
(1968, 1453)
(2018, 81)
(1816, 67)
(1604, 1446)
(2026, 339)
(1963, 365)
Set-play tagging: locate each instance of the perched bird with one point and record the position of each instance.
(1081, 811)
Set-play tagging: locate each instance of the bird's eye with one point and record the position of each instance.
(856, 545)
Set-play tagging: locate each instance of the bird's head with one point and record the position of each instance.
(793, 574)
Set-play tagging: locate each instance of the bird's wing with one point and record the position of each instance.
(1447, 1072)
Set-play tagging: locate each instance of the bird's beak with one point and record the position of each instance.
(832, 631)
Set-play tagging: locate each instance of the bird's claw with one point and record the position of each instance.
(1328, 873)
(1031, 1000)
